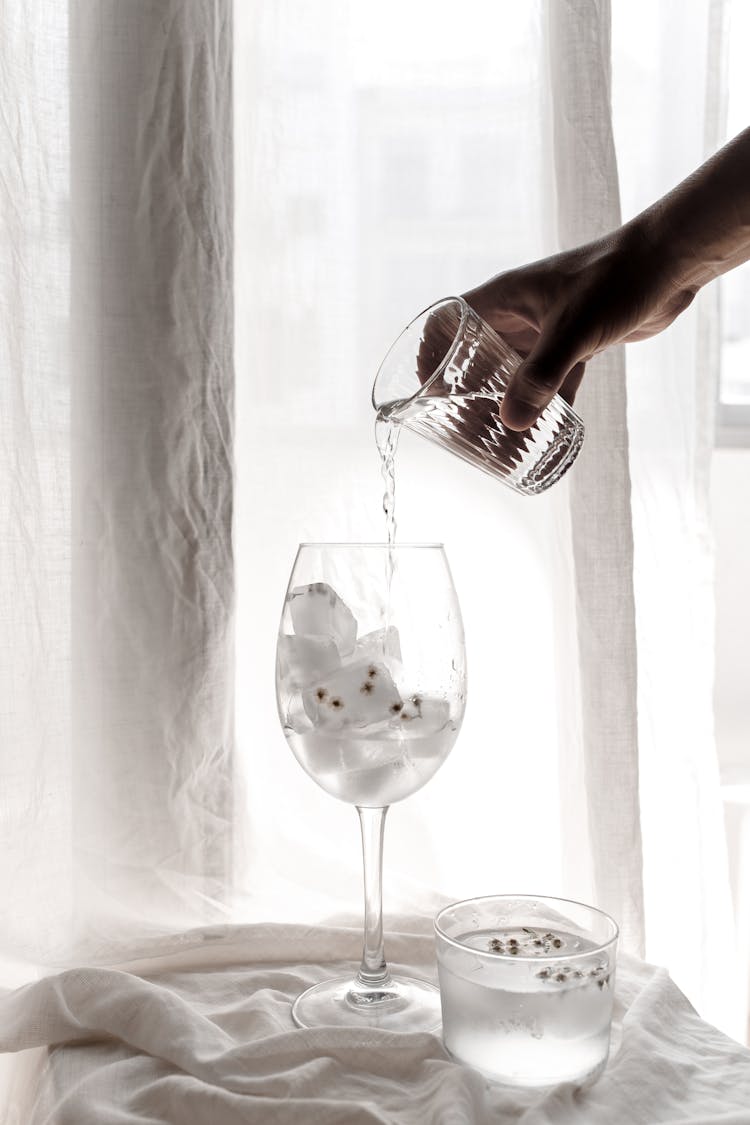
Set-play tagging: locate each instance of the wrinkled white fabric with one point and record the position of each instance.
(152, 583)
(201, 1034)
(116, 419)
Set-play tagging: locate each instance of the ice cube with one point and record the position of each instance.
(354, 695)
(320, 753)
(318, 611)
(294, 715)
(423, 714)
(302, 660)
(382, 644)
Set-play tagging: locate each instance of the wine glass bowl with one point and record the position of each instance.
(371, 691)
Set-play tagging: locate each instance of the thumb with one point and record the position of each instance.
(538, 378)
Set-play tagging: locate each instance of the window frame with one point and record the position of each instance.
(732, 425)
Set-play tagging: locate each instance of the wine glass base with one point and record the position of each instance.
(400, 1004)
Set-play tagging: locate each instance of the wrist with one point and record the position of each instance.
(663, 250)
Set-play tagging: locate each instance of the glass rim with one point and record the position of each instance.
(557, 399)
(380, 546)
(464, 307)
(566, 956)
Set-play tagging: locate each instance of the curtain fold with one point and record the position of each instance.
(670, 413)
(35, 823)
(152, 462)
(117, 422)
(667, 105)
(588, 206)
(642, 758)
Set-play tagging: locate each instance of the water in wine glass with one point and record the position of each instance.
(348, 713)
(374, 768)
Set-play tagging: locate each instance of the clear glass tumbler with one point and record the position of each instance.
(445, 377)
(526, 988)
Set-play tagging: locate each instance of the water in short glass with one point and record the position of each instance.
(527, 985)
(371, 691)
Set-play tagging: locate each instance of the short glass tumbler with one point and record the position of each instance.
(445, 378)
(526, 988)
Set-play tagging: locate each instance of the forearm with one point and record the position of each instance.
(702, 227)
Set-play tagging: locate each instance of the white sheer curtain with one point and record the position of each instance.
(381, 159)
(388, 157)
(116, 421)
(669, 97)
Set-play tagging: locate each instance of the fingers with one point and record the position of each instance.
(506, 305)
(572, 382)
(551, 364)
(438, 334)
(523, 306)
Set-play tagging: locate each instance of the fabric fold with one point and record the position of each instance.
(213, 1041)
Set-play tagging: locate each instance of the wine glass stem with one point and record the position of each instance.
(373, 970)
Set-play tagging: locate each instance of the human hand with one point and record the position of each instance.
(559, 312)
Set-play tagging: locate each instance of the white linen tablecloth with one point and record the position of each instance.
(199, 1032)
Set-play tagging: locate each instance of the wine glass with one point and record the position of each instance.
(371, 691)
